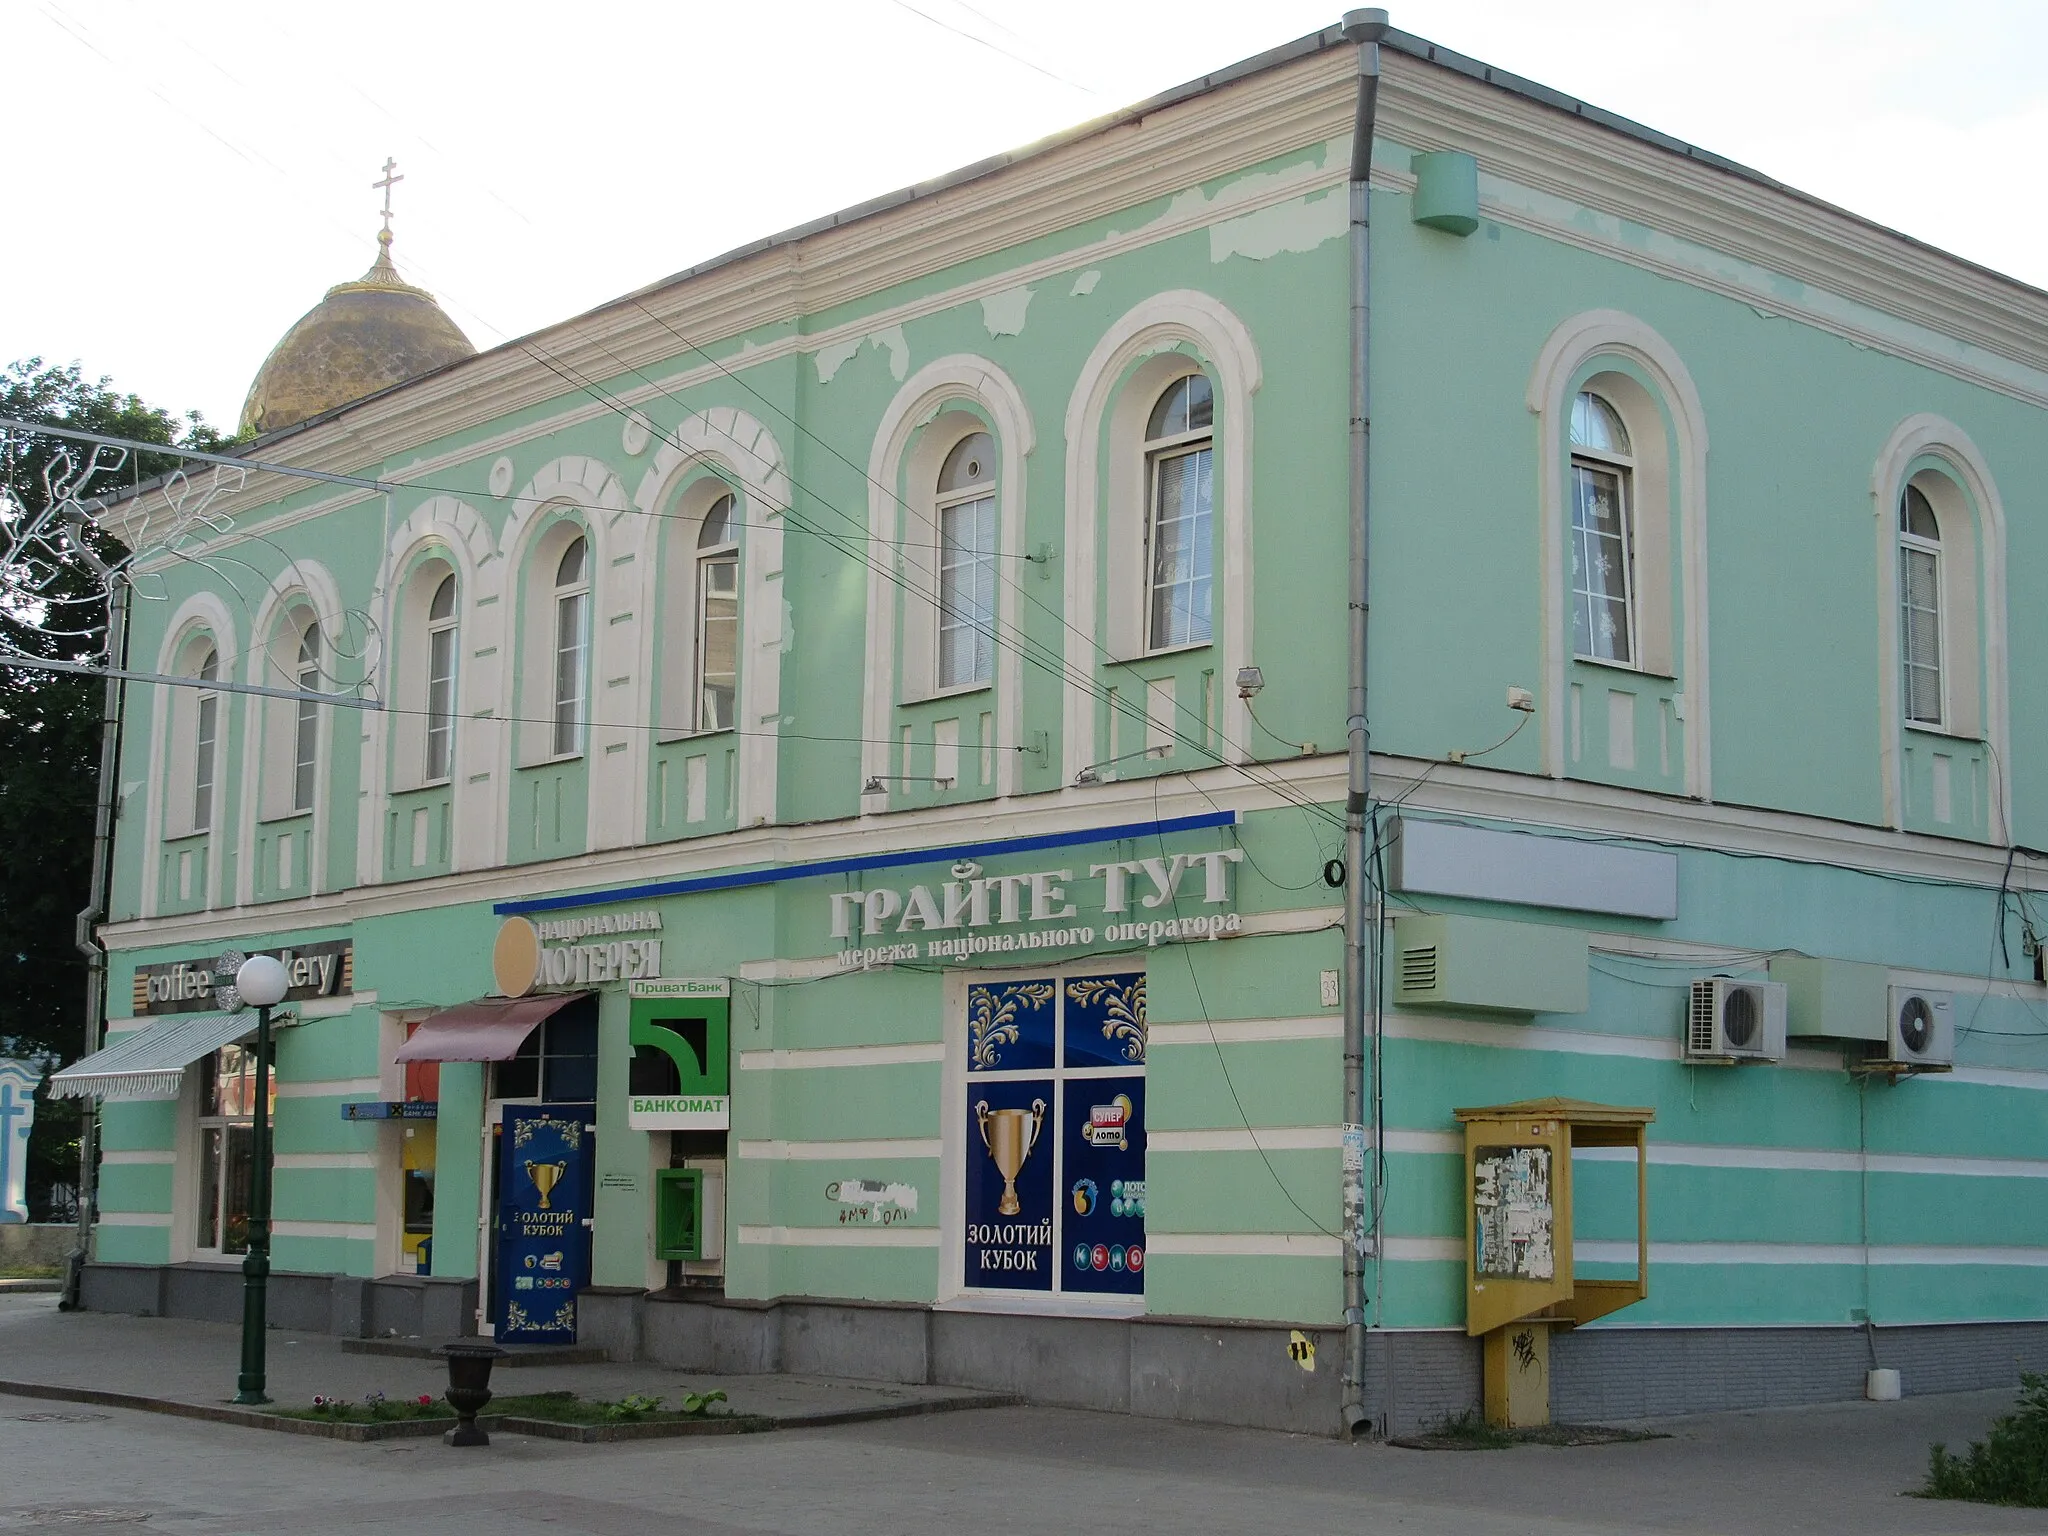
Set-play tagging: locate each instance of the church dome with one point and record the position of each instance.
(364, 336)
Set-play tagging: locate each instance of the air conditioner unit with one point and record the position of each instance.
(1920, 1032)
(1730, 1022)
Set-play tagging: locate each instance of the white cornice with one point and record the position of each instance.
(1564, 806)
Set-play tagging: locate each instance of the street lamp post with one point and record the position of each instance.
(259, 980)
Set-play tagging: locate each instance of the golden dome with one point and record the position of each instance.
(364, 336)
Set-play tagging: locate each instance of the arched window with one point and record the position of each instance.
(718, 616)
(306, 729)
(966, 507)
(1920, 609)
(572, 646)
(440, 734)
(1180, 516)
(205, 738)
(1603, 538)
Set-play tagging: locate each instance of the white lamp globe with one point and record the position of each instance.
(261, 981)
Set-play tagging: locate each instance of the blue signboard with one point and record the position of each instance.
(1103, 1234)
(17, 1113)
(544, 1198)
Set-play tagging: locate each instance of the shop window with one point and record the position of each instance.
(1055, 1126)
(227, 1106)
(557, 1064)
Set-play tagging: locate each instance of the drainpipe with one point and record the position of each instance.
(1363, 28)
(87, 940)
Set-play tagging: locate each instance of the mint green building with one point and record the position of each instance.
(862, 744)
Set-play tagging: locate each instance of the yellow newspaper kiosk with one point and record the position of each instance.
(1518, 1240)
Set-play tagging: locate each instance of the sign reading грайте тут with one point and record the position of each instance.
(1003, 914)
(325, 969)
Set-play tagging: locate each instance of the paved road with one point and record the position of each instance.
(990, 1472)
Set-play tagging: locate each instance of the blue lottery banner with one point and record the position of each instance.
(544, 1194)
(1009, 1184)
(1103, 1232)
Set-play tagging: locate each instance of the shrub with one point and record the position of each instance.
(2009, 1466)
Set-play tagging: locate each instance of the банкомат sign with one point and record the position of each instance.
(326, 969)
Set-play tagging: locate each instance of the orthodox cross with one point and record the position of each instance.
(386, 185)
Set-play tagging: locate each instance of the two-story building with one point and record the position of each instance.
(854, 818)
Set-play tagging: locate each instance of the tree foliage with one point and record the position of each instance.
(50, 737)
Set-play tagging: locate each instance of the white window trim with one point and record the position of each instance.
(1623, 467)
(961, 379)
(580, 592)
(1221, 345)
(726, 552)
(450, 626)
(1918, 437)
(952, 1292)
(942, 503)
(1156, 449)
(740, 450)
(1554, 383)
(202, 614)
(448, 529)
(304, 588)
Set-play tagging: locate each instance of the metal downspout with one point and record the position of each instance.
(1364, 28)
(87, 940)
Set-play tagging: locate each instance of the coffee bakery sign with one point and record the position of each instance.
(1125, 901)
(193, 986)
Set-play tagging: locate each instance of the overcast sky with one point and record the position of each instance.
(191, 177)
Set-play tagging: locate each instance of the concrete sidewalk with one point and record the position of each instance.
(178, 1361)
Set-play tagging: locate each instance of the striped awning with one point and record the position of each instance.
(151, 1063)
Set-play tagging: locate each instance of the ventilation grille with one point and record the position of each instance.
(1699, 1030)
(1418, 969)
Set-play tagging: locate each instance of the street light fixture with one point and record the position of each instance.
(260, 981)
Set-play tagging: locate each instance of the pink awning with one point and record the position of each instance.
(488, 1029)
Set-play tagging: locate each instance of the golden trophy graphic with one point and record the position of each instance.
(545, 1177)
(1008, 1145)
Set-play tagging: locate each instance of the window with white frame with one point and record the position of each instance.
(966, 517)
(1603, 539)
(440, 732)
(227, 1146)
(1180, 516)
(306, 727)
(205, 737)
(572, 646)
(1920, 615)
(718, 617)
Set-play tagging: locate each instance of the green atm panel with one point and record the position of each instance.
(679, 1213)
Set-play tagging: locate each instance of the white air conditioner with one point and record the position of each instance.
(1920, 1033)
(1730, 1022)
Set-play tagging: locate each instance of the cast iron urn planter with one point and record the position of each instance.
(469, 1388)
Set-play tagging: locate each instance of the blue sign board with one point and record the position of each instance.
(17, 1113)
(544, 1201)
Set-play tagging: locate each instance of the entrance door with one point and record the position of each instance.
(544, 1182)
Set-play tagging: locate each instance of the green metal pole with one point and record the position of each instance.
(256, 1264)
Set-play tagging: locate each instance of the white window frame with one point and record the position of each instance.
(1623, 468)
(1157, 451)
(205, 745)
(1910, 544)
(306, 723)
(205, 1125)
(724, 555)
(568, 731)
(443, 667)
(980, 494)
